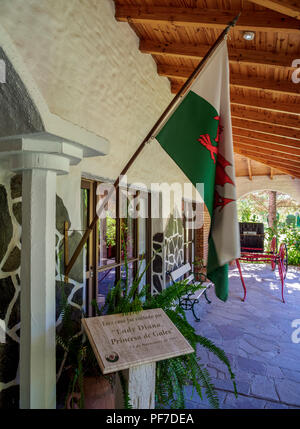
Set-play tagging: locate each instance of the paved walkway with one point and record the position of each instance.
(256, 335)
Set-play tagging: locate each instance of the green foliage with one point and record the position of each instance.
(290, 236)
(291, 220)
(254, 207)
(172, 375)
(244, 211)
(110, 231)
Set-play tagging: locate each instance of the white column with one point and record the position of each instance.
(39, 157)
(37, 353)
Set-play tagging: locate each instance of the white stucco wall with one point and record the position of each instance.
(284, 184)
(89, 70)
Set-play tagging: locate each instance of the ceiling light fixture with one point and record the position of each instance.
(248, 35)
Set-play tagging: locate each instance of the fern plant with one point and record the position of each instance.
(172, 375)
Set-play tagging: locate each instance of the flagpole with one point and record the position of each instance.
(150, 135)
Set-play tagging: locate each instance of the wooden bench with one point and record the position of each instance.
(188, 301)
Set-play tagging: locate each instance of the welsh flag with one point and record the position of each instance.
(198, 137)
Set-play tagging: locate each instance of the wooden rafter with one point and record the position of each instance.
(293, 151)
(259, 150)
(286, 7)
(276, 130)
(196, 52)
(266, 104)
(280, 143)
(291, 171)
(266, 116)
(249, 168)
(208, 18)
(281, 87)
(256, 102)
(273, 162)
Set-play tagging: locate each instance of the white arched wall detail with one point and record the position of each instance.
(282, 183)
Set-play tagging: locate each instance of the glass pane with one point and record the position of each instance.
(107, 237)
(106, 280)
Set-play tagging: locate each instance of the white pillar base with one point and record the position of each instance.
(38, 350)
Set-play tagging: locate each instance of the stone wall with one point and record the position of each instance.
(174, 245)
(168, 245)
(10, 285)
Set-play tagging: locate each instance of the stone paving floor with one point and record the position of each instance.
(256, 335)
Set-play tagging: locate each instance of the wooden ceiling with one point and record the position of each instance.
(246, 167)
(265, 103)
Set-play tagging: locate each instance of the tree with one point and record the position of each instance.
(272, 209)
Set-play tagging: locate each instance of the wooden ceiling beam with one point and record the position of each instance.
(277, 130)
(256, 102)
(276, 141)
(284, 168)
(208, 18)
(265, 145)
(265, 104)
(182, 73)
(268, 153)
(276, 163)
(280, 87)
(286, 7)
(196, 52)
(266, 116)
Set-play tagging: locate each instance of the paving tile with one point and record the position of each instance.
(192, 396)
(276, 372)
(242, 402)
(291, 375)
(256, 338)
(251, 365)
(190, 405)
(275, 406)
(288, 391)
(263, 387)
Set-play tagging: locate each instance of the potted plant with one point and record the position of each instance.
(172, 375)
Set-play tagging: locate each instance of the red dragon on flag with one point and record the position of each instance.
(221, 175)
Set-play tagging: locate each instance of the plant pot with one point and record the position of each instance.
(98, 394)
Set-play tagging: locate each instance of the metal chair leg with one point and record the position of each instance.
(209, 302)
(193, 311)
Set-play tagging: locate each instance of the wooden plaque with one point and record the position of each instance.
(122, 341)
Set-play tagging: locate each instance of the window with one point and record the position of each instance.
(119, 231)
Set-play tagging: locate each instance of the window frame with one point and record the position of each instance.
(93, 244)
